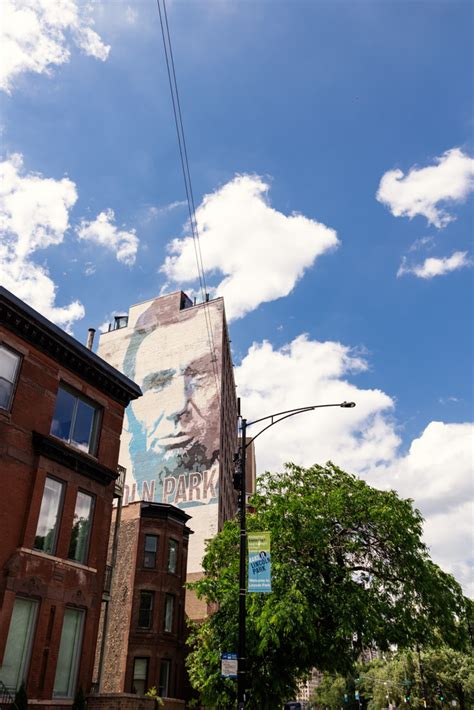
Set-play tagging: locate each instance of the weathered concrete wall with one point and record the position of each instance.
(120, 606)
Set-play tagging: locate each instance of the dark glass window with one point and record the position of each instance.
(76, 420)
(164, 687)
(169, 609)
(145, 612)
(140, 676)
(151, 546)
(172, 555)
(49, 517)
(9, 367)
(79, 545)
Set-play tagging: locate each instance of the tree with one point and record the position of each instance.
(329, 693)
(349, 570)
(385, 681)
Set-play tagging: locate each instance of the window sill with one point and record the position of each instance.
(76, 449)
(60, 560)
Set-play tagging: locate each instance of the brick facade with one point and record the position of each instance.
(125, 640)
(29, 454)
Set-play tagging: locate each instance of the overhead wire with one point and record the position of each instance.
(178, 120)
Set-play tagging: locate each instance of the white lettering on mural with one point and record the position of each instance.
(196, 487)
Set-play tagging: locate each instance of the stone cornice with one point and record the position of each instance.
(39, 332)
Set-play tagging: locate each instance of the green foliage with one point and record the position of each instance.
(386, 680)
(349, 570)
(153, 693)
(80, 702)
(330, 693)
(21, 698)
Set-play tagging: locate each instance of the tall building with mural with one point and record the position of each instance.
(180, 437)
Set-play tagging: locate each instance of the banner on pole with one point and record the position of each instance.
(259, 562)
(229, 665)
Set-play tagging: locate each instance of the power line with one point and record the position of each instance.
(183, 153)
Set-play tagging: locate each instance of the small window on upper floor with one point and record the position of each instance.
(9, 368)
(151, 546)
(172, 556)
(76, 420)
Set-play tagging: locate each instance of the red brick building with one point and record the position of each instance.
(61, 412)
(145, 631)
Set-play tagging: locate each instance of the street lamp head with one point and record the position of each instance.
(348, 405)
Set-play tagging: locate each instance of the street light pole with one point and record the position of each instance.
(241, 667)
(274, 419)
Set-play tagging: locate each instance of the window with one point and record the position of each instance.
(169, 607)
(9, 366)
(172, 555)
(79, 545)
(145, 613)
(151, 546)
(164, 687)
(69, 654)
(18, 649)
(140, 676)
(50, 512)
(76, 420)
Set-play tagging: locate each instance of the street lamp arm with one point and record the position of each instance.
(290, 413)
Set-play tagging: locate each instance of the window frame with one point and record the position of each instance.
(96, 423)
(89, 532)
(24, 667)
(76, 656)
(140, 658)
(171, 542)
(164, 663)
(148, 552)
(16, 378)
(58, 516)
(169, 597)
(150, 611)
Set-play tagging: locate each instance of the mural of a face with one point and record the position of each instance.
(174, 425)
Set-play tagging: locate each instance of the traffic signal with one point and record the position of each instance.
(407, 697)
(440, 694)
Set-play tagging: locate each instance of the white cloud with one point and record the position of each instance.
(89, 268)
(131, 15)
(436, 471)
(261, 252)
(421, 191)
(103, 231)
(436, 266)
(34, 214)
(35, 35)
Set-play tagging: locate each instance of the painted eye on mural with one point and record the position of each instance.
(196, 381)
(156, 381)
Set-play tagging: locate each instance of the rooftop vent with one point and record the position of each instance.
(119, 322)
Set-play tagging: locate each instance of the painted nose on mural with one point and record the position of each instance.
(178, 400)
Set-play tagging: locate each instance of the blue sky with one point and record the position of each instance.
(293, 113)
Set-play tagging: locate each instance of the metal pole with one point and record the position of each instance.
(241, 669)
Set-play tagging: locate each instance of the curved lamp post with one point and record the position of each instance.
(273, 419)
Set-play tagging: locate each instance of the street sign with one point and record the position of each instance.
(229, 665)
(259, 562)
